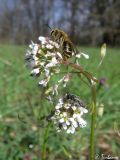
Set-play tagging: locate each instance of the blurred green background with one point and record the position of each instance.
(22, 134)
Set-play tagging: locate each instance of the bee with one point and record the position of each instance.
(66, 45)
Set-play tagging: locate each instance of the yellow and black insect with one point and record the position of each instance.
(67, 47)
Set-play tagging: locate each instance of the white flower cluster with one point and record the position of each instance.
(43, 58)
(68, 114)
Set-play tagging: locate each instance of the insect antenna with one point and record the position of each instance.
(48, 26)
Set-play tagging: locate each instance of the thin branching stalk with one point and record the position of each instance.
(78, 67)
(93, 123)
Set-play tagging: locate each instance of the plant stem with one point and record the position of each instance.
(93, 123)
(78, 67)
(45, 138)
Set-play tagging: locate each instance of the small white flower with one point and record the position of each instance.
(35, 58)
(44, 82)
(75, 124)
(32, 64)
(58, 106)
(64, 126)
(73, 53)
(81, 122)
(35, 71)
(47, 72)
(74, 108)
(49, 54)
(55, 44)
(67, 105)
(28, 53)
(43, 46)
(59, 55)
(78, 55)
(68, 131)
(68, 122)
(61, 115)
(93, 81)
(34, 48)
(64, 114)
(85, 55)
(84, 110)
(71, 119)
(71, 130)
(42, 39)
(61, 120)
(55, 89)
(57, 112)
(49, 46)
(65, 79)
(52, 63)
(39, 51)
(53, 118)
(32, 44)
(31, 146)
(74, 115)
(58, 130)
(60, 101)
(42, 63)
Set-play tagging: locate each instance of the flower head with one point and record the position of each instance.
(68, 113)
(43, 58)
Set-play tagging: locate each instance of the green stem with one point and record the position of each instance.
(93, 123)
(45, 138)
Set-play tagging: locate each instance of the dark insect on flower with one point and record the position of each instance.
(66, 45)
(74, 99)
(69, 96)
(68, 113)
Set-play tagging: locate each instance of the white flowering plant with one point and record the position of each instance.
(45, 60)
